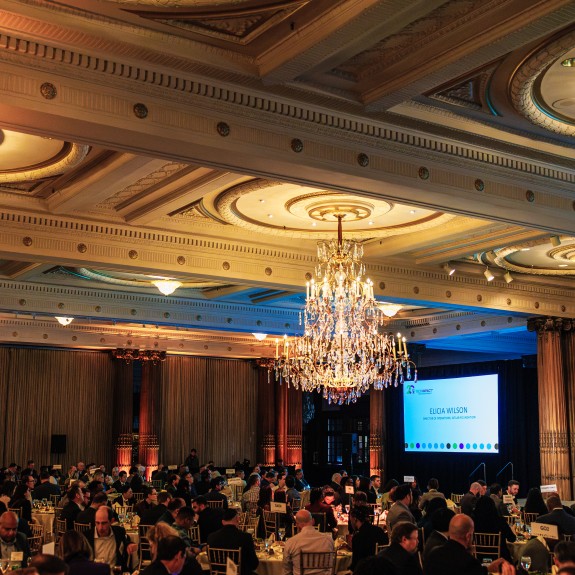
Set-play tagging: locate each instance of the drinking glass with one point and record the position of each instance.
(526, 563)
(347, 508)
(281, 533)
(121, 518)
(250, 531)
(4, 563)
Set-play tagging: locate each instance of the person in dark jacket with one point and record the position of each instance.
(366, 536)
(487, 520)
(231, 537)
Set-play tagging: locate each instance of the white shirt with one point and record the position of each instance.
(309, 540)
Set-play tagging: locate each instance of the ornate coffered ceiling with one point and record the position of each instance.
(213, 142)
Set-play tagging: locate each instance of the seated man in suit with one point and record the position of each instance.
(170, 557)
(558, 516)
(399, 511)
(45, 488)
(456, 558)
(110, 543)
(366, 536)
(72, 509)
(231, 537)
(402, 553)
(12, 540)
(89, 514)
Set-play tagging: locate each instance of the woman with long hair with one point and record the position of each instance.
(487, 520)
(22, 499)
(75, 550)
(534, 502)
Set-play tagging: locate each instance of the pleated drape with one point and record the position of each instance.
(553, 435)
(46, 392)
(209, 404)
(376, 432)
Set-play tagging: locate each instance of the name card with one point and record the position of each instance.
(508, 500)
(408, 478)
(230, 471)
(349, 489)
(231, 567)
(544, 530)
(56, 466)
(172, 467)
(552, 488)
(49, 548)
(277, 507)
(17, 556)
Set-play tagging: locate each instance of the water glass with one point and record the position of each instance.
(281, 533)
(526, 563)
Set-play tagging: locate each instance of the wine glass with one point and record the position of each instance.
(44, 503)
(4, 564)
(526, 563)
(281, 533)
(347, 508)
(121, 518)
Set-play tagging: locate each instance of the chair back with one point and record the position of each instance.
(139, 497)
(35, 544)
(82, 527)
(143, 529)
(242, 515)
(144, 552)
(36, 529)
(270, 522)
(487, 545)
(250, 507)
(529, 518)
(55, 499)
(320, 521)
(318, 563)
(218, 559)
(456, 498)
(251, 524)
(237, 491)
(219, 503)
(510, 520)
(194, 533)
(123, 509)
(157, 483)
(59, 528)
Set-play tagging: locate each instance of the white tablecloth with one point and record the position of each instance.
(46, 520)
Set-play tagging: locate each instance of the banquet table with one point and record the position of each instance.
(134, 538)
(46, 519)
(273, 564)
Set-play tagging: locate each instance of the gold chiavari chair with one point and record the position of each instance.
(487, 545)
(194, 533)
(217, 503)
(218, 559)
(82, 527)
(270, 522)
(529, 518)
(323, 562)
(251, 524)
(456, 498)
(35, 544)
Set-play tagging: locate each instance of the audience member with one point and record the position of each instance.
(402, 551)
(231, 537)
(487, 520)
(432, 492)
(399, 511)
(365, 535)
(534, 502)
(209, 518)
(469, 500)
(75, 550)
(11, 539)
(307, 539)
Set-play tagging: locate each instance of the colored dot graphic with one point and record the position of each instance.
(455, 445)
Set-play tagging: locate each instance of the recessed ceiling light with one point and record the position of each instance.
(370, 223)
(412, 211)
(314, 224)
(262, 201)
(270, 215)
(562, 265)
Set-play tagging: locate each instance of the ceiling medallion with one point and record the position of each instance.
(342, 353)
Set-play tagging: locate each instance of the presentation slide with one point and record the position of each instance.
(457, 415)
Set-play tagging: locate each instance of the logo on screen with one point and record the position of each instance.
(410, 389)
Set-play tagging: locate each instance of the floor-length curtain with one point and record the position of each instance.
(569, 367)
(57, 392)
(209, 404)
(553, 430)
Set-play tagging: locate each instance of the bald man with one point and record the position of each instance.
(455, 558)
(11, 540)
(308, 539)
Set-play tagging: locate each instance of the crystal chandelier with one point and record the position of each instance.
(342, 352)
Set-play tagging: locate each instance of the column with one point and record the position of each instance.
(123, 414)
(293, 454)
(149, 447)
(266, 437)
(281, 428)
(553, 420)
(376, 432)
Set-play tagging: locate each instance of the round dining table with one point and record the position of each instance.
(46, 519)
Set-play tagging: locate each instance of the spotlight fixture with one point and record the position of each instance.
(508, 277)
(260, 336)
(389, 309)
(167, 286)
(488, 275)
(555, 241)
(448, 269)
(64, 320)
